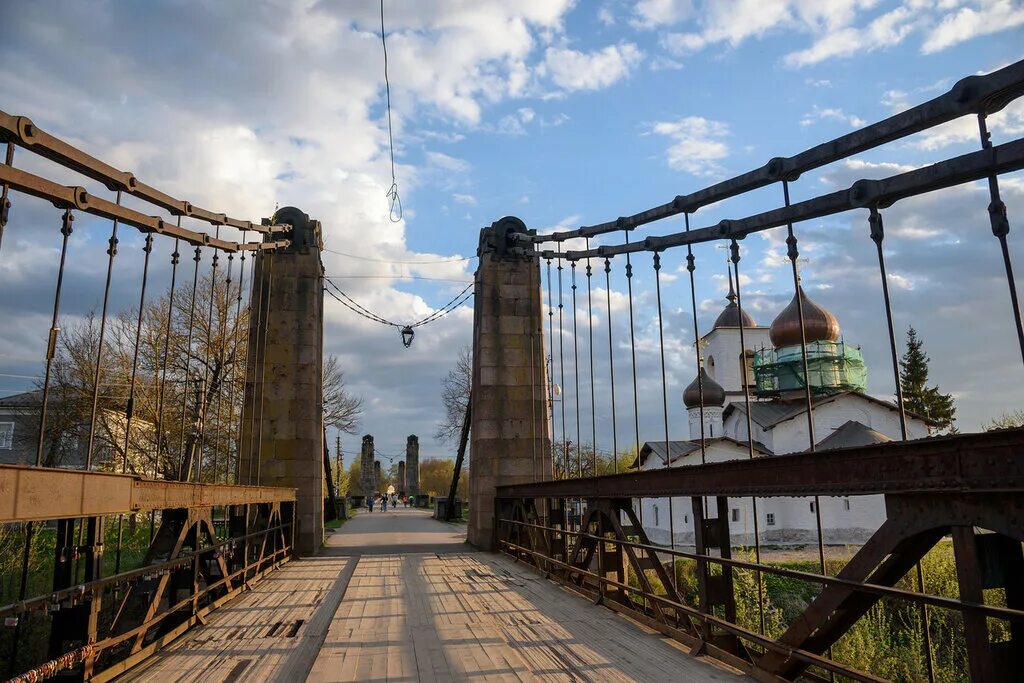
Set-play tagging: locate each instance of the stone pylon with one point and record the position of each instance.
(400, 484)
(282, 415)
(510, 439)
(366, 480)
(412, 465)
(376, 477)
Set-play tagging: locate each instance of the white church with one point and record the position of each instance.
(771, 369)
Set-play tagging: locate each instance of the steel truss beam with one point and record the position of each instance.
(989, 462)
(36, 493)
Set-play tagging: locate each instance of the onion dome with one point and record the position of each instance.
(714, 394)
(819, 324)
(730, 315)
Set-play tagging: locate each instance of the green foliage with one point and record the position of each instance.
(918, 397)
(888, 641)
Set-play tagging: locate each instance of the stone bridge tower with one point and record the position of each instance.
(282, 415)
(412, 465)
(510, 440)
(366, 483)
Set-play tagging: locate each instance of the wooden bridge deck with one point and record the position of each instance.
(369, 610)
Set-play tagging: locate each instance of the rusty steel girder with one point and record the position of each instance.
(37, 493)
(988, 462)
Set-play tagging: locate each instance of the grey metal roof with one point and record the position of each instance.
(682, 448)
(770, 413)
(851, 434)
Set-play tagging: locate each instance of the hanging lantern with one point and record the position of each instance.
(407, 335)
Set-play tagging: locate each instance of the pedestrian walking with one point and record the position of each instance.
(369, 503)
(384, 503)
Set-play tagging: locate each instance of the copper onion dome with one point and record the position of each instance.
(714, 394)
(819, 324)
(730, 315)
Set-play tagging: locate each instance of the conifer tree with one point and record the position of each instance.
(918, 397)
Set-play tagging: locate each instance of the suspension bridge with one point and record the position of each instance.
(166, 516)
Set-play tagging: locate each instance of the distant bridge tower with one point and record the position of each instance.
(400, 487)
(412, 465)
(366, 480)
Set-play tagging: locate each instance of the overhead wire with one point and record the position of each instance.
(411, 263)
(392, 193)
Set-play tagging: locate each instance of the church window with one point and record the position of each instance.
(846, 503)
(771, 519)
(735, 514)
(6, 435)
(686, 519)
(711, 366)
(812, 506)
(655, 515)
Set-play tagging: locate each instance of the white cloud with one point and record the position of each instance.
(605, 16)
(990, 16)
(464, 199)
(830, 113)
(837, 28)
(885, 31)
(573, 70)
(697, 144)
(448, 163)
(653, 13)
(515, 123)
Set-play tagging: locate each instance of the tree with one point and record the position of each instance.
(918, 397)
(1008, 420)
(436, 478)
(342, 410)
(455, 388)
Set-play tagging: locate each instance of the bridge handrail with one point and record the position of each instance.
(977, 94)
(22, 131)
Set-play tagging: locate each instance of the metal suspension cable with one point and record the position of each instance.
(551, 380)
(611, 362)
(5, 203)
(66, 228)
(632, 351)
(111, 255)
(392, 193)
(690, 267)
(245, 358)
(576, 375)
(734, 250)
(561, 368)
(356, 307)
(182, 475)
(664, 402)
(978, 95)
(175, 256)
(590, 346)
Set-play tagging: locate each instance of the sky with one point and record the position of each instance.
(562, 113)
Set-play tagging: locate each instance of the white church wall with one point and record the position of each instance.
(723, 346)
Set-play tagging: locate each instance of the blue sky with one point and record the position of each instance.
(561, 113)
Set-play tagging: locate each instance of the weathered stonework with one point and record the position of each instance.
(400, 488)
(282, 416)
(510, 441)
(376, 477)
(366, 480)
(412, 465)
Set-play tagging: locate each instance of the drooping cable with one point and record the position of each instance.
(395, 211)
(175, 256)
(401, 263)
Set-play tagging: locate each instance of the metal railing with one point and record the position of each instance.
(976, 472)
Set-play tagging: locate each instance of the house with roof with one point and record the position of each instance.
(750, 401)
(67, 431)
